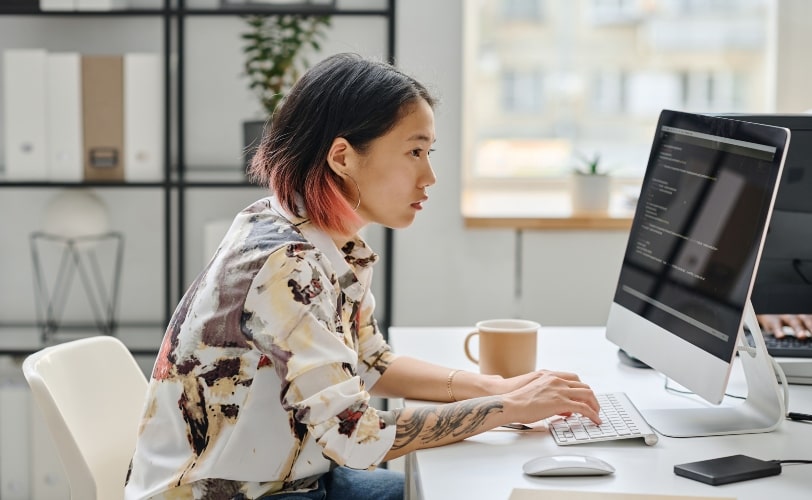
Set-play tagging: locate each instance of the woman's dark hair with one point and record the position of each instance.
(344, 95)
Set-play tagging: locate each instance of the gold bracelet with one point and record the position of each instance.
(448, 385)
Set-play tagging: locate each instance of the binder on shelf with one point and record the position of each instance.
(100, 4)
(64, 117)
(55, 5)
(143, 112)
(102, 117)
(24, 120)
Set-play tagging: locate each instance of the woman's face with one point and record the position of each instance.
(395, 172)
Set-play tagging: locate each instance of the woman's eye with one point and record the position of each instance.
(416, 152)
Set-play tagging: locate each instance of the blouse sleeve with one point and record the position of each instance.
(375, 353)
(295, 316)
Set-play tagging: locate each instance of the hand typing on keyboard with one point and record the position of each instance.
(541, 394)
(619, 420)
(780, 325)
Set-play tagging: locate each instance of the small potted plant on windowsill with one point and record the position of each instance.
(275, 48)
(590, 187)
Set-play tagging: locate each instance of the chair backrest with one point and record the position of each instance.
(91, 392)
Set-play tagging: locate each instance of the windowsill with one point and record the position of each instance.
(549, 209)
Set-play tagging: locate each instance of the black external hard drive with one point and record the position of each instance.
(727, 469)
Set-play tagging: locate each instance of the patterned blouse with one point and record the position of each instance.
(260, 385)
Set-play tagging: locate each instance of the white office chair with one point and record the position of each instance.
(91, 392)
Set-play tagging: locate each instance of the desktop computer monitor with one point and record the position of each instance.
(685, 282)
(784, 280)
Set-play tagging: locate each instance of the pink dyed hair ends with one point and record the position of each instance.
(326, 205)
(324, 202)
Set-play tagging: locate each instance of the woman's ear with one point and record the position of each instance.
(339, 156)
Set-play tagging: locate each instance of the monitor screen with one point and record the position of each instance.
(694, 245)
(784, 280)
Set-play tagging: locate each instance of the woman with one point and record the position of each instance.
(262, 385)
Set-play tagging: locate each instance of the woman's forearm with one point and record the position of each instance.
(483, 402)
(422, 427)
(411, 378)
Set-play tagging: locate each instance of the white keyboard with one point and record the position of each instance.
(620, 420)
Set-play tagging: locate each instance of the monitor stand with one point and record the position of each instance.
(629, 360)
(762, 410)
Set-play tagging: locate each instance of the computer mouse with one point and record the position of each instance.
(567, 465)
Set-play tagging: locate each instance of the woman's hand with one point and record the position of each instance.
(505, 385)
(541, 394)
(775, 324)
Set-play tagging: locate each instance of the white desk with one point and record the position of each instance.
(489, 466)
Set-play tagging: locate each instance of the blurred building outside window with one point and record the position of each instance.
(551, 83)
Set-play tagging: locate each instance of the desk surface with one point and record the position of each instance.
(489, 466)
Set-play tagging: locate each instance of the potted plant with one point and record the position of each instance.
(590, 187)
(275, 49)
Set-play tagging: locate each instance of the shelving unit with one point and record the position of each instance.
(184, 180)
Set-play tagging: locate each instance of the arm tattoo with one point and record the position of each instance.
(455, 419)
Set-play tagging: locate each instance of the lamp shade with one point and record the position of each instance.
(74, 213)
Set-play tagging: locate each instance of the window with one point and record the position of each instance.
(521, 91)
(521, 9)
(549, 82)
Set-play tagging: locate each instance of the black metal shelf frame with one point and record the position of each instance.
(175, 183)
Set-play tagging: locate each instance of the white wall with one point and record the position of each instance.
(445, 275)
(794, 73)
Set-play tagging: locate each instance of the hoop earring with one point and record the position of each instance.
(358, 189)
